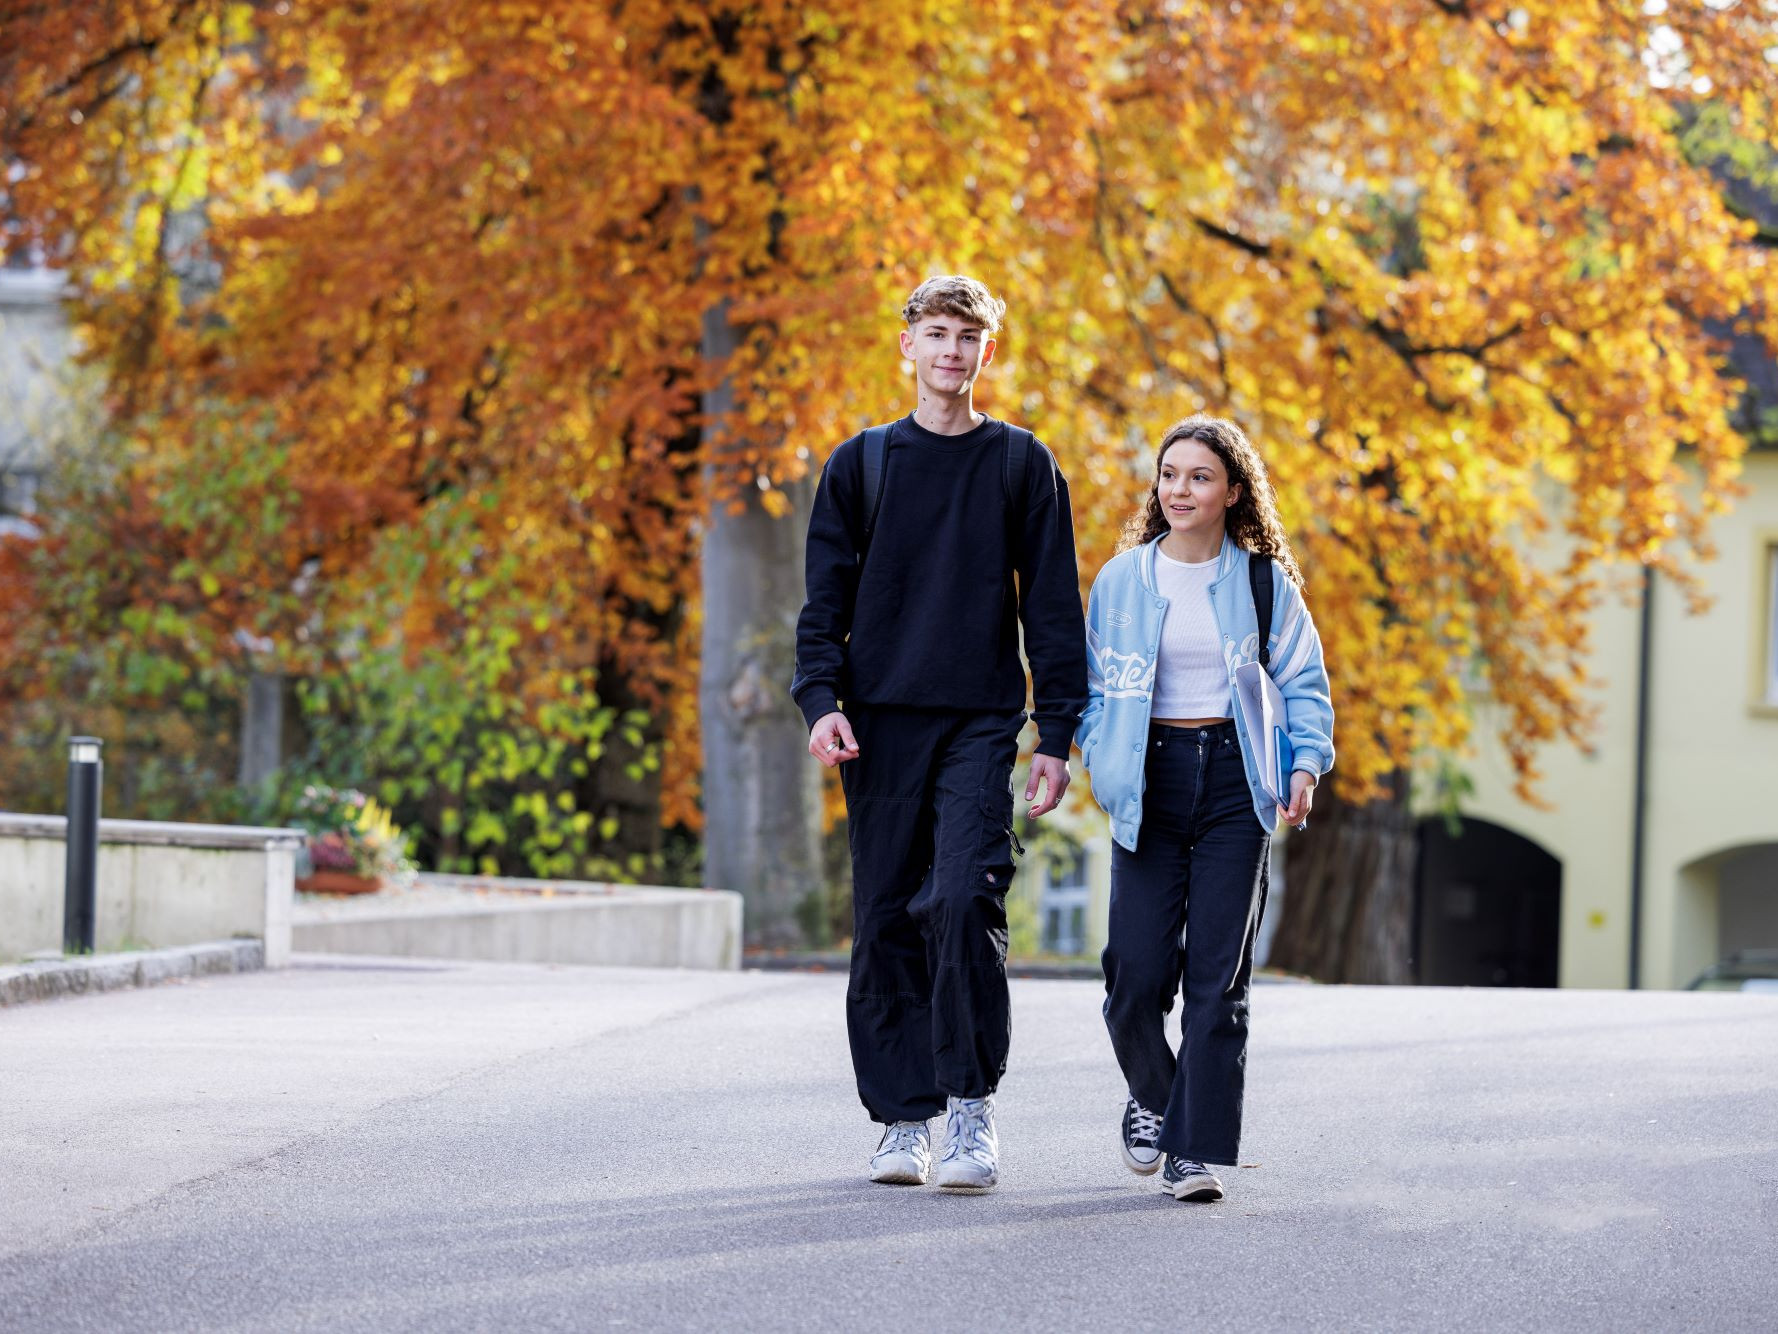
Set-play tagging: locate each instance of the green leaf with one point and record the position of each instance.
(485, 829)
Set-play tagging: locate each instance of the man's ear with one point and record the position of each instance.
(988, 346)
(907, 344)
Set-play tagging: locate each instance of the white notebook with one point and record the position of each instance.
(1262, 713)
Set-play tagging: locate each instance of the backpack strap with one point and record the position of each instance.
(1018, 463)
(1259, 574)
(876, 463)
(1020, 445)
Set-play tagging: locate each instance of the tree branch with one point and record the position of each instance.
(1232, 237)
(25, 119)
(1185, 304)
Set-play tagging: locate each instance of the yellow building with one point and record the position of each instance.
(1662, 839)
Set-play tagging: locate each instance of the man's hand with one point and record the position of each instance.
(1052, 771)
(831, 740)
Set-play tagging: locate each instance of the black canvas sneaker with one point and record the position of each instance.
(1142, 1133)
(1185, 1180)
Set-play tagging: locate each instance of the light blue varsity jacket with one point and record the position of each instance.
(1124, 615)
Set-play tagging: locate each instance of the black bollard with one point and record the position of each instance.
(85, 772)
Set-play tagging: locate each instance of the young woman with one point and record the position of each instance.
(1170, 618)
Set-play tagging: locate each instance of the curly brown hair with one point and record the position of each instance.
(1252, 520)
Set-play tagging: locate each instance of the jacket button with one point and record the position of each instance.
(1159, 603)
(1142, 699)
(1137, 746)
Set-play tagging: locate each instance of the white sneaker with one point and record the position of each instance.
(972, 1152)
(904, 1155)
(1142, 1134)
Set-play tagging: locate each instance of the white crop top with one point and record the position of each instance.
(1191, 679)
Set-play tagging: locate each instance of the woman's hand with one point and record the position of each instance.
(1302, 796)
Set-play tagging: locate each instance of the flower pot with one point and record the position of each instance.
(338, 882)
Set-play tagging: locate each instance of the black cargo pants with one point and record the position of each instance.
(929, 811)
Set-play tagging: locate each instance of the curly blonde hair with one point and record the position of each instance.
(953, 294)
(1252, 520)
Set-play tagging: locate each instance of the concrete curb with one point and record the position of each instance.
(1083, 970)
(81, 974)
(827, 961)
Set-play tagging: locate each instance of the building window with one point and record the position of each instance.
(1062, 903)
(18, 491)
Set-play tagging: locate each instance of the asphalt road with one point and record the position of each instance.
(397, 1147)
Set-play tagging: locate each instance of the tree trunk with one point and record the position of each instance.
(762, 791)
(1348, 906)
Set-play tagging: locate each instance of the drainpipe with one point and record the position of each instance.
(1639, 822)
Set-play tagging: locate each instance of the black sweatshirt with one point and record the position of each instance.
(930, 620)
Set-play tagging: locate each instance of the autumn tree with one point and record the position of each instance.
(626, 273)
(1450, 255)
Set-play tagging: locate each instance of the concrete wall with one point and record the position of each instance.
(625, 926)
(159, 885)
(34, 346)
(1713, 748)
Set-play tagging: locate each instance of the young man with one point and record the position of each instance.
(912, 620)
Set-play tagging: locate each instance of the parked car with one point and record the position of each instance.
(1746, 970)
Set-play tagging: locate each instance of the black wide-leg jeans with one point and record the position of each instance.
(1185, 907)
(929, 813)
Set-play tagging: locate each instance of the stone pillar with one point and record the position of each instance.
(262, 729)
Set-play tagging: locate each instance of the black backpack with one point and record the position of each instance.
(1019, 446)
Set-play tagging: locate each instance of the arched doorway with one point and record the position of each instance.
(1488, 908)
(1747, 900)
(1730, 905)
